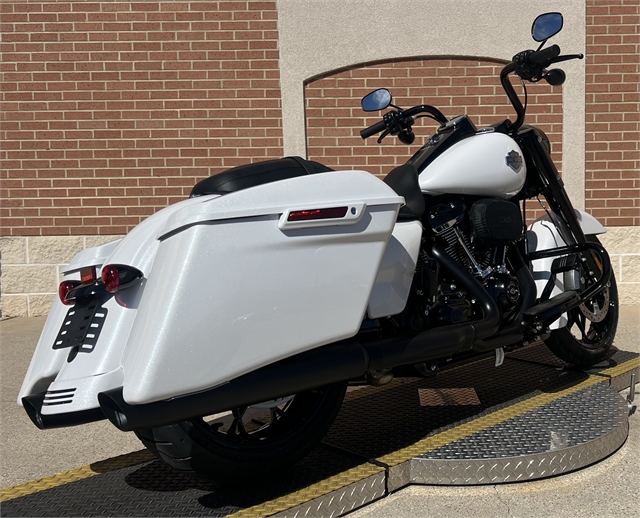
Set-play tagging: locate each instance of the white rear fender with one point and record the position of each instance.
(96, 365)
(546, 233)
(48, 361)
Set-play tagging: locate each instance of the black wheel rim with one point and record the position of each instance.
(591, 322)
(258, 429)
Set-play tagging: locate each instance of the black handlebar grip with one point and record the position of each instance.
(372, 130)
(542, 56)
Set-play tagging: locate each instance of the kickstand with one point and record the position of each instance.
(632, 394)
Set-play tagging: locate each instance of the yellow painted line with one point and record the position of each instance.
(73, 475)
(430, 443)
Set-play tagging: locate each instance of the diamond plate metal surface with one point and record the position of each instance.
(581, 428)
(565, 435)
(154, 489)
(342, 501)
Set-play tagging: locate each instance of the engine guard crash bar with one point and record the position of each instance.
(541, 315)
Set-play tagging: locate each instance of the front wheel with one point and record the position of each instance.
(591, 327)
(248, 441)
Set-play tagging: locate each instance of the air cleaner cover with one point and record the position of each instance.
(495, 222)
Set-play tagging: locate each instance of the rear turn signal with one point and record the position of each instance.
(117, 277)
(304, 215)
(111, 278)
(64, 288)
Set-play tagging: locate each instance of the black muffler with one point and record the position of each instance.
(33, 406)
(327, 364)
(332, 363)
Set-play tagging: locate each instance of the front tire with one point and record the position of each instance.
(250, 441)
(591, 327)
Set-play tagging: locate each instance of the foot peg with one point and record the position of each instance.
(543, 314)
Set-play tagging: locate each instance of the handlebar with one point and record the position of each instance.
(541, 57)
(529, 65)
(373, 129)
(396, 120)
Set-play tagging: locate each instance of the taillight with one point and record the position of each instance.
(111, 278)
(64, 288)
(88, 275)
(305, 215)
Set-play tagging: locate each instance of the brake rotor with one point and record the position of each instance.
(599, 308)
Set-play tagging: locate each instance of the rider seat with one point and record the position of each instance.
(250, 175)
(404, 181)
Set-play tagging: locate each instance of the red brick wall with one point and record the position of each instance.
(112, 110)
(613, 111)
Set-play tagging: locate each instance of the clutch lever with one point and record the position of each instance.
(384, 134)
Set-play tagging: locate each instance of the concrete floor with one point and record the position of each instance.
(609, 488)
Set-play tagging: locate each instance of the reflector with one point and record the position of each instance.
(304, 215)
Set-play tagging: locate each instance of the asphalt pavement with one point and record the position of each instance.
(610, 488)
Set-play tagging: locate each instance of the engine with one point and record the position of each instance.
(477, 237)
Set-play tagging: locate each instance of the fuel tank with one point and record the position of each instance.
(485, 164)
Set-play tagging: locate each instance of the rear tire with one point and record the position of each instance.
(588, 336)
(251, 442)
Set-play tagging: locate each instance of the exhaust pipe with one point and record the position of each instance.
(328, 364)
(512, 333)
(33, 406)
(331, 363)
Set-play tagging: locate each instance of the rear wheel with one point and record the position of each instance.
(248, 441)
(591, 327)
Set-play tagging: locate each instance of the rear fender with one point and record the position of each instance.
(47, 362)
(57, 369)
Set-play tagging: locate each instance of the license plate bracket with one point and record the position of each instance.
(82, 325)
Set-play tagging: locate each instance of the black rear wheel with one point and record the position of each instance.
(591, 327)
(248, 441)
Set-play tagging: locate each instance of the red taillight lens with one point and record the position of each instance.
(64, 288)
(111, 278)
(304, 215)
(88, 275)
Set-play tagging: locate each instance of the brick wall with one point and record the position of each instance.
(113, 110)
(334, 116)
(613, 111)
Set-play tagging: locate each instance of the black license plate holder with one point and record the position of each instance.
(82, 325)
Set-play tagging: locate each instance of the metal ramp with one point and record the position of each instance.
(532, 417)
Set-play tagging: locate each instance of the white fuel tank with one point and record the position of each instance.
(486, 164)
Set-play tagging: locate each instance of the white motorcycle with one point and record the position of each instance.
(224, 329)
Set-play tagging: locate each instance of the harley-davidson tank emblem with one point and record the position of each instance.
(514, 160)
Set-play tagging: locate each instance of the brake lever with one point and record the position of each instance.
(568, 57)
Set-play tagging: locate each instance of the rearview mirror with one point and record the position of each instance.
(546, 25)
(376, 100)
